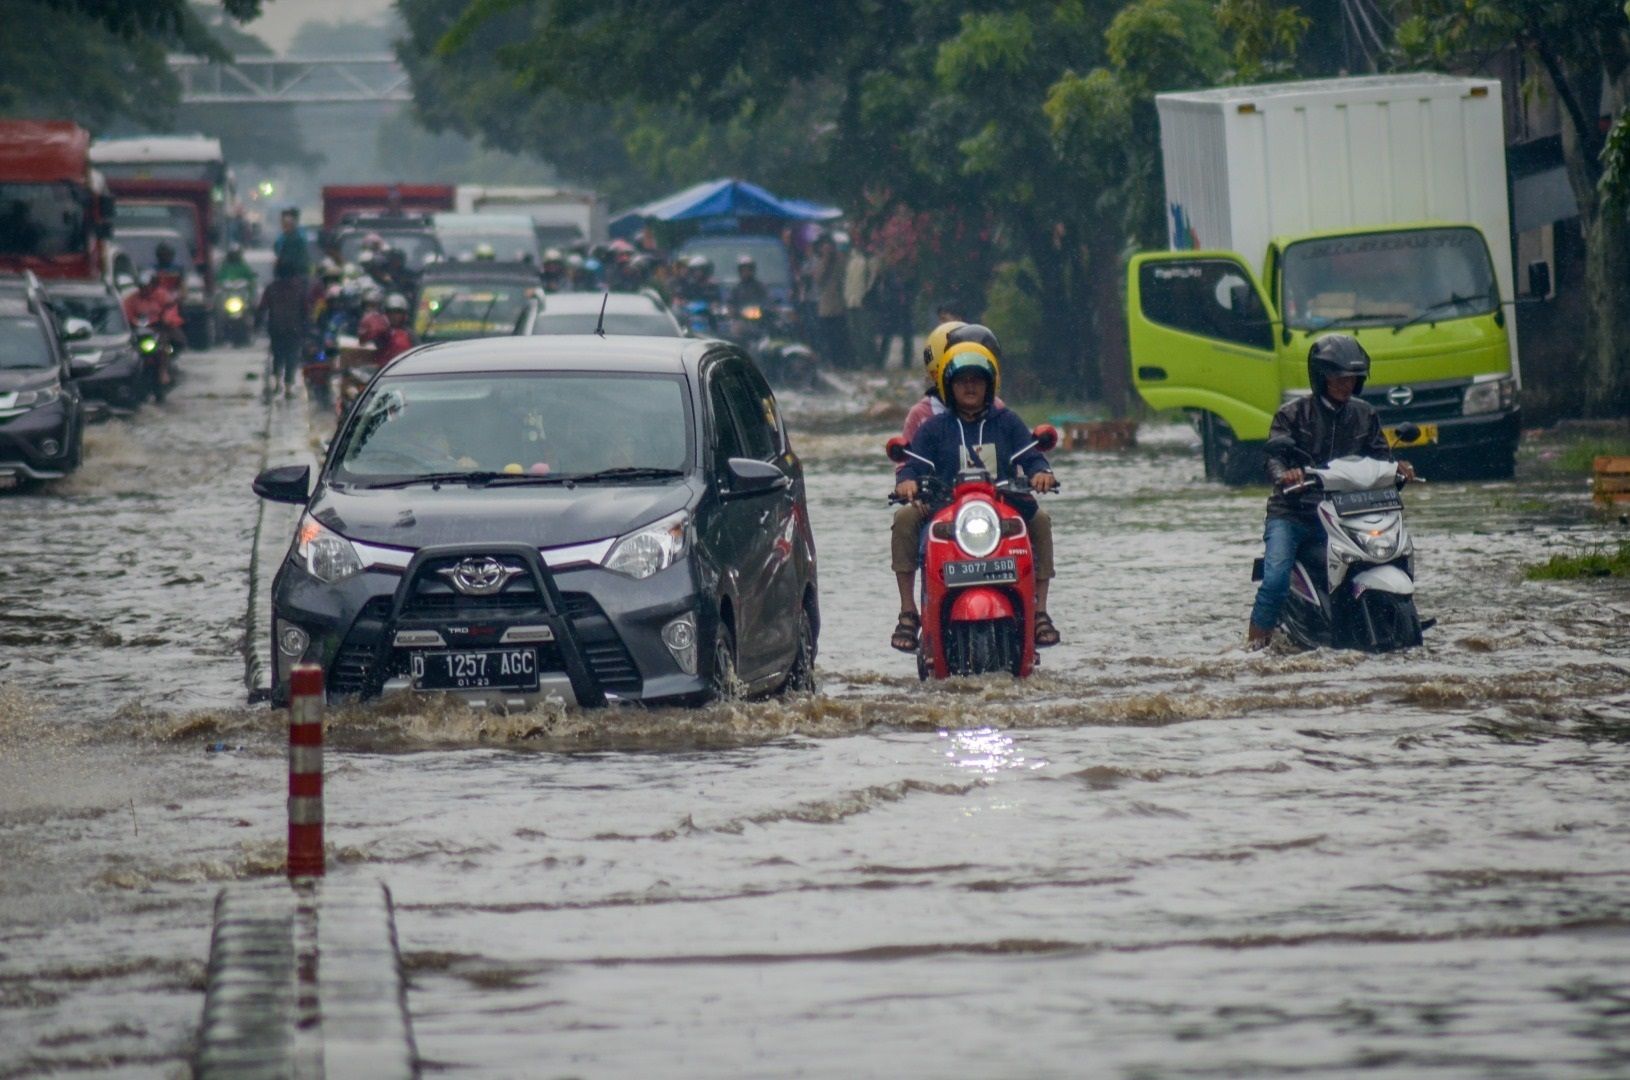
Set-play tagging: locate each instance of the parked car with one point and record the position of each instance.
(592, 518)
(42, 418)
(105, 362)
(640, 314)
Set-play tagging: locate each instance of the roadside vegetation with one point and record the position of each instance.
(1597, 562)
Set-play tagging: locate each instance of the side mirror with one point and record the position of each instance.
(285, 484)
(1283, 448)
(76, 330)
(895, 448)
(1407, 433)
(1046, 437)
(82, 364)
(749, 476)
(1539, 280)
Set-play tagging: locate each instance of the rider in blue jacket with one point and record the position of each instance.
(974, 432)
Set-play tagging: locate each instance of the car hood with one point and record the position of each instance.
(543, 517)
(15, 379)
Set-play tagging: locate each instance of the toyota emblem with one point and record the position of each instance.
(480, 576)
(1400, 396)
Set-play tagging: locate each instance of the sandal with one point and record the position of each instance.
(905, 632)
(1046, 632)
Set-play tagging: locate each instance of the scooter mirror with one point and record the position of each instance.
(1046, 437)
(1280, 446)
(895, 448)
(1407, 433)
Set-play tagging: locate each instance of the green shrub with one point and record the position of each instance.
(1598, 562)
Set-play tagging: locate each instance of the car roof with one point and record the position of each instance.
(489, 271)
(483, 222)
(617, 303)
(78, 288)
(564, 352)
(11, 304)
(147, 231)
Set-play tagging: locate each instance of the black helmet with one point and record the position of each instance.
(1337, 354)
(978, 334)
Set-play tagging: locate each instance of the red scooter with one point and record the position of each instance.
(978, 573)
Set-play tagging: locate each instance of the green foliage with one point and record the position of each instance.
(99, 61)
(1014, 313)
(1598, 562)
(1266, 37)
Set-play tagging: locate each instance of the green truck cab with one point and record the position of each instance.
(1211, 337)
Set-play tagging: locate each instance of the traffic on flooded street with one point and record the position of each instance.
(1146, 595)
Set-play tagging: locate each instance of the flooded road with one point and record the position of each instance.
(1161, 857)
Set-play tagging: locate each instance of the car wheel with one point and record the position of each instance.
(724, 683)
(801, 676)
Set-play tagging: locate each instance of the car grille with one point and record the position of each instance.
(1439, 402)
(356, 671)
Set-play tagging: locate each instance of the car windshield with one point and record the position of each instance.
(41, 219)
(451, 311)
(22, 343)
(773, 269)
(102, 311)
(1379, 279)
(509, 246)
(416, 247)
(540, 424)
(652, 325)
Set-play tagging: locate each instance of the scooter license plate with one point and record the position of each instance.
(981, 572)
(1428, 435)
(1348, 503)
(495, 669)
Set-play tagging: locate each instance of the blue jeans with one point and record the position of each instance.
(1283, 538)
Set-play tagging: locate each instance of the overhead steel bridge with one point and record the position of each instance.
(292, 80)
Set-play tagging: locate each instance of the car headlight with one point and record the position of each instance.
(1487, 397)
(655, 547)
(326, 555)
(978, 530)
(234, 305)
(33, 399)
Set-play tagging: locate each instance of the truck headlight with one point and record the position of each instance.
(653, 548)
(978, 530)
(1491, 396)
(326, 555)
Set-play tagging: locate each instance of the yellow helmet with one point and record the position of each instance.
(968, 356)
(934, 351)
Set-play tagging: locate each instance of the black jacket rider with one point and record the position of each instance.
(1324, 432)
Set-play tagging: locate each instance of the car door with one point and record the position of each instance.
(1203, 337)
(765, 440)
(736, 534)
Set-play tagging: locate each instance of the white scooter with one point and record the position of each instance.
(1363, 596)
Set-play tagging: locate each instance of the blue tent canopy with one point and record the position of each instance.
(721, 198)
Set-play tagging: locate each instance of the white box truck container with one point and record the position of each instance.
(1372, 206)
(555, 211)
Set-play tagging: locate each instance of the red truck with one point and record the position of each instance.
(149, 209)
(55, 209)
(341, 201)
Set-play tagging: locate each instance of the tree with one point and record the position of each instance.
(1582, 47)
(99, 60)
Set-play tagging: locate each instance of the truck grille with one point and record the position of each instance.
(1439, 401)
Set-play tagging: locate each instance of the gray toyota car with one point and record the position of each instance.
(586, 518)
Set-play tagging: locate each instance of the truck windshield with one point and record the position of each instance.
(1385, 279)
(41, 219)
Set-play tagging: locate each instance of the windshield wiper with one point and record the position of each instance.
(1355, 317)
(1421, 316)
(466, 477)
(629, 472)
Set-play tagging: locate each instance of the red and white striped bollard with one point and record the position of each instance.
(306, 772)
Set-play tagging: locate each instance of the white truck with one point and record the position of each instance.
(560, 215)
(1373, 206)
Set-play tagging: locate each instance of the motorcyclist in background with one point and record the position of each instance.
(157, 305)
(975, 431)
(233, 268)
(396, 338)
(372, 322)
(553, 271)
(748, 291)
(171, 274)
(1331, 422)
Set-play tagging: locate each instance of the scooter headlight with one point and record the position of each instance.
(978, 529)
(234, 305)
(326, 555)
(147, 343)
(1377, 543)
